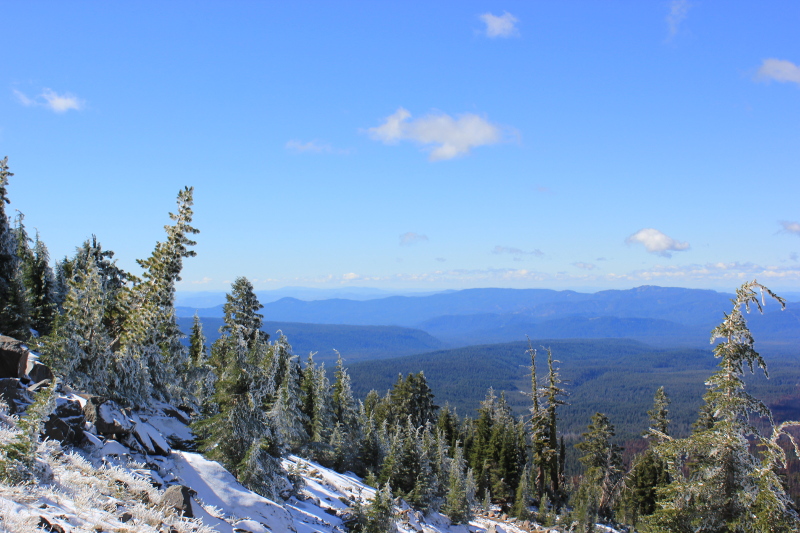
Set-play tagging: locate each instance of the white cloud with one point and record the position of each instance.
(409, 238)
(202, 281)
(23, 99)
(350, 276)
(678, 9)
(448, 137)
(656, 242)
(314, 146)
(515, 251)
(310, 146)
(60, 103)
(584, 266)
(779, 70)
(791, 227)
(502, 26)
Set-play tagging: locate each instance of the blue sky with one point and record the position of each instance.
(411, 145)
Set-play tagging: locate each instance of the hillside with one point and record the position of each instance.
(143, 479)
(355, 343)
(613, 376)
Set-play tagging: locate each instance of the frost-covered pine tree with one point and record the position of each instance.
(199, 375)
(79, 348)
(241, 434)
(13, 316)
(286, 417)
(457, 499)
(344, 406)
(150, 328)
(718, 484)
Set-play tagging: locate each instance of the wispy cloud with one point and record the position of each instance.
(409, 238)
(734, 273)
(516, 252)
(504, 25)
(441, 259)
(678, 9)
(313, 146)
(791, 227)
(201, 281)
(584, 266)
(656, 242)
(59, 103)
(778, 70)
(449, 137)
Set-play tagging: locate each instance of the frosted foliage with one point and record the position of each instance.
(727, 486)
(80, 349)
(285, 416)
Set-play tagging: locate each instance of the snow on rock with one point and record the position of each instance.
(151, 440)
(217, 487)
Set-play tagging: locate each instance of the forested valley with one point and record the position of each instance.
(545, 458)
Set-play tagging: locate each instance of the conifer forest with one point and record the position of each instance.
(252, 403)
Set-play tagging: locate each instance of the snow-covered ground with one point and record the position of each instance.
(116, 486)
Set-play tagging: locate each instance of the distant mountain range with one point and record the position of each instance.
(659, 316)
(205, 299)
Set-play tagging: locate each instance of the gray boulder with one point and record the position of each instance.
(179, 497)
(13, 358)
(17, 396)
(66, 423)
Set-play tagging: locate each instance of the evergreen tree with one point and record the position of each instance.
(241, 434)
(457, 500)
(603, 462)
(39, 282)
(150, 329)
(13, 309)
(199, 372)
(380, 514)
(344, 406)
(411, 396)
(540, 431)
(649, 472)
(717, 483)
(550, 452)
(79, 348)
(524, 496)
(287, 418)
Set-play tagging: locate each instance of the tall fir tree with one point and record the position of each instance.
(551, 454)
(150, 328)
(240, 434)
(717, 483)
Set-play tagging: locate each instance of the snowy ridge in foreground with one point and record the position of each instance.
(115, 486)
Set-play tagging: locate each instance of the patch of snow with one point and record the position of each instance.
(216, 486)
(150, 439)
